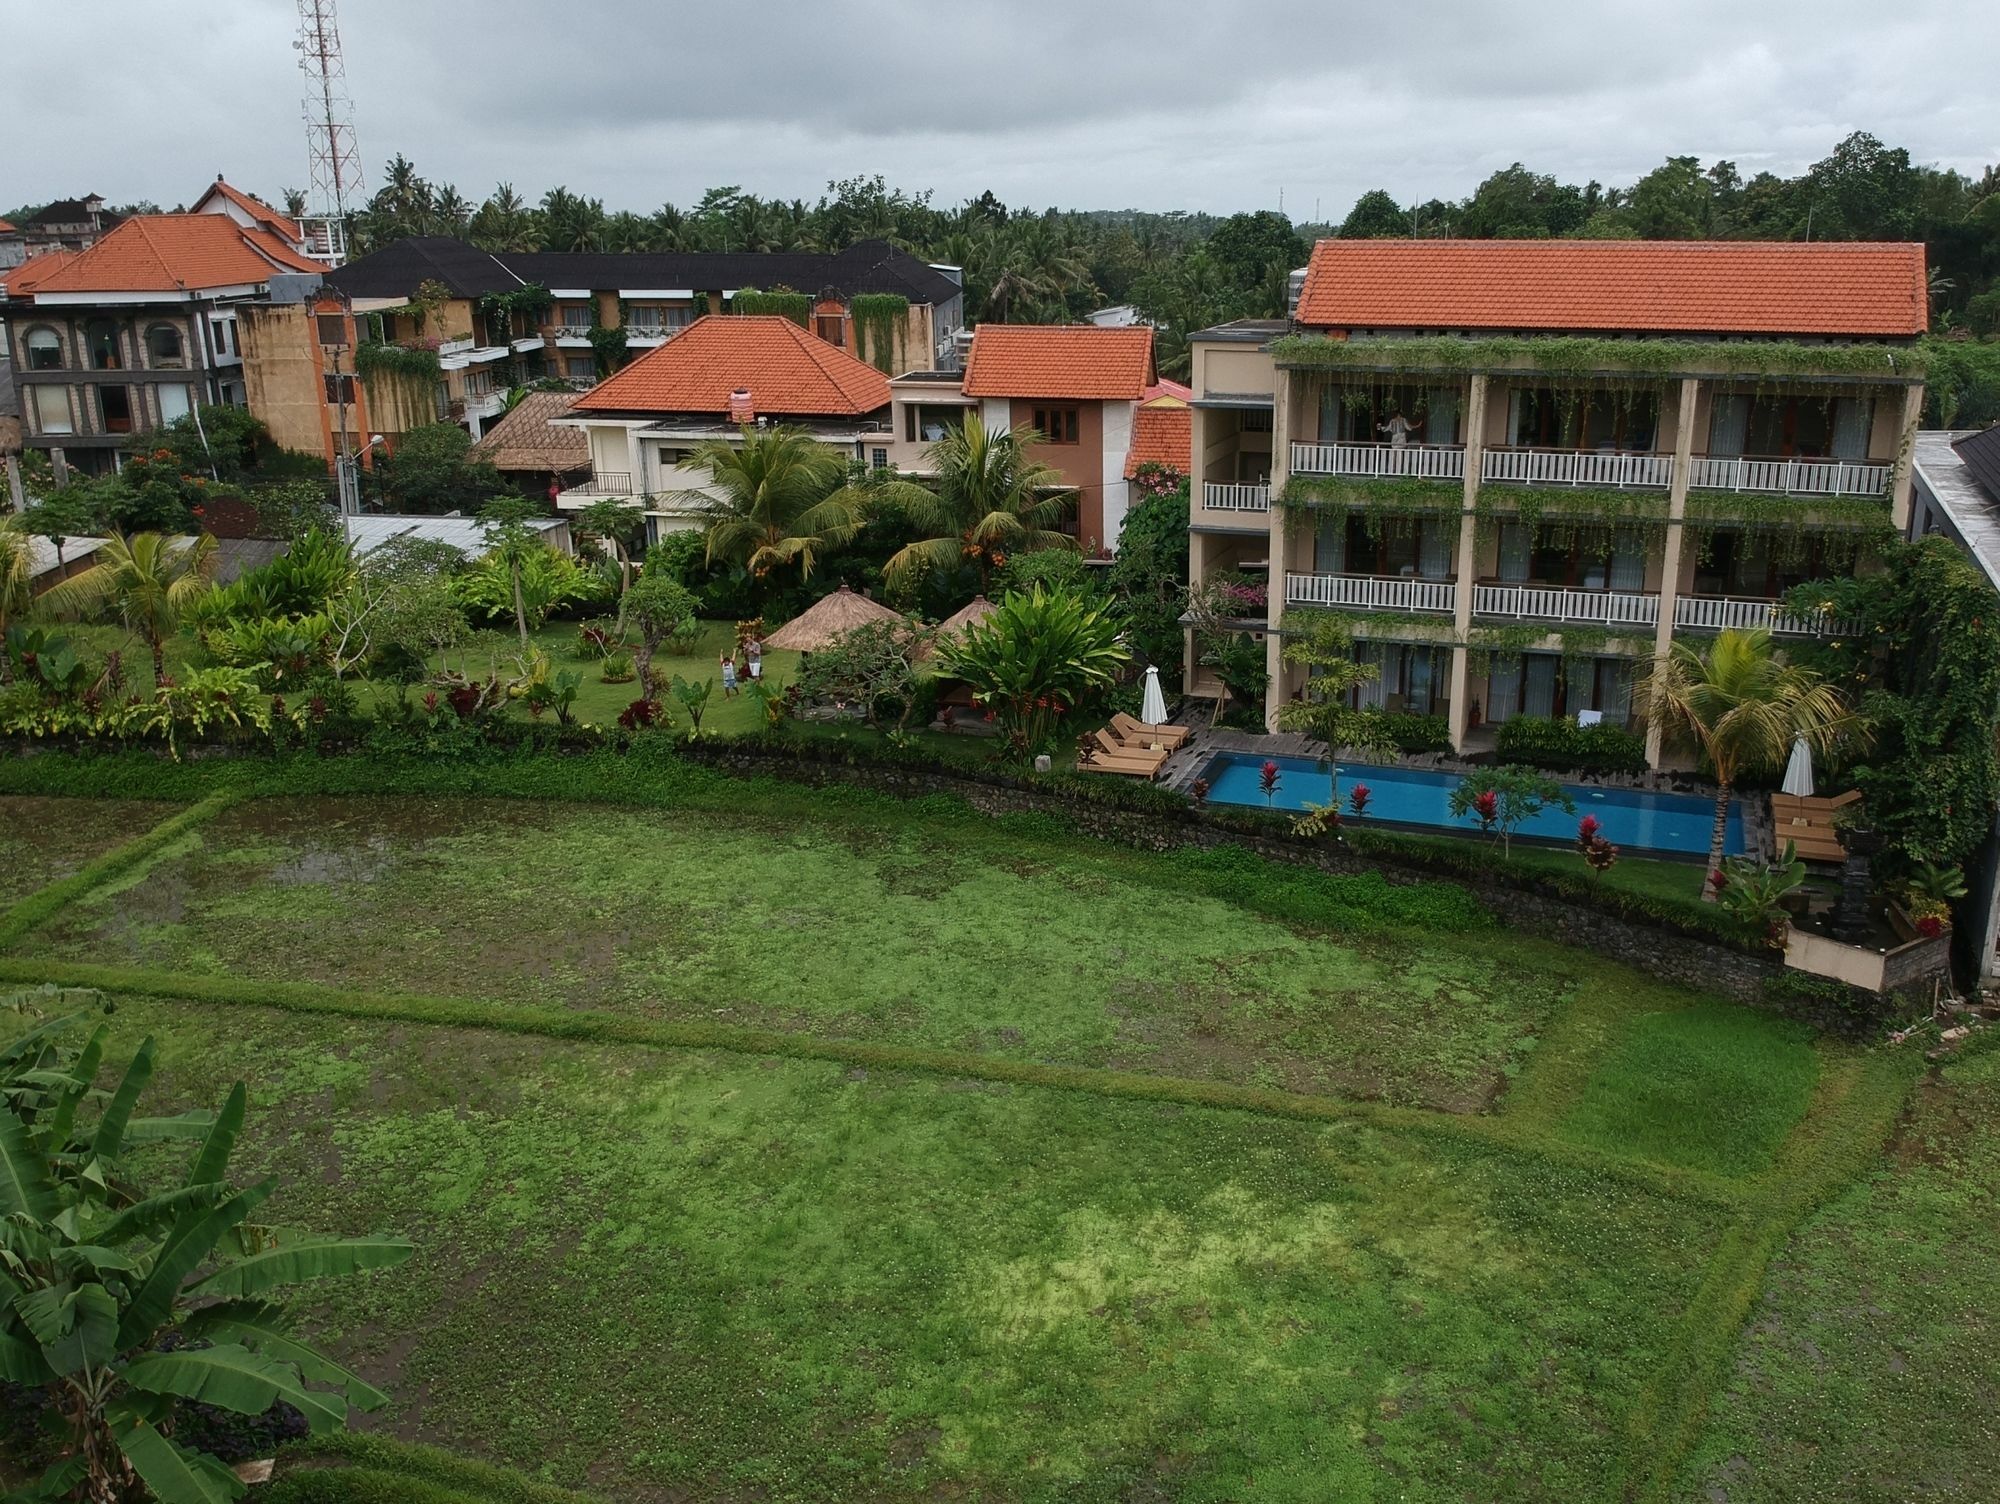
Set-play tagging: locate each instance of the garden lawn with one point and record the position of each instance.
(1868, 1373)
(668, 1275)
(906, 931)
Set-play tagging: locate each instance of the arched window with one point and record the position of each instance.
(163, 348)
(45, 351)
(100, 336)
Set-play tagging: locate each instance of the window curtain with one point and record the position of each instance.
(1517, 414)
(1503, 689)
(1433, 550)
(1441, 415)
(1614, 677)
(1422, 675)
(1729, 425)
(1851, 417)
(1539, 694)
(1514, 550)
(1369, 695)
(1628, 561)
(1330, 544)
(1329, 414)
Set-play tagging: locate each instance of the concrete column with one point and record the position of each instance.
(1906, 459)
(1670, 562)
(636, 453)
(1280, 551)
(1465, 564)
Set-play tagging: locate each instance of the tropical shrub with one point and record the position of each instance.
(549, 578)
(1504, 799)
(659, 608)
(1755, 891)
(302, 581)
(873, 667)
(618, 669)
(1409, 732)
(126, 1306)
(1544, 742)
(1035, 659)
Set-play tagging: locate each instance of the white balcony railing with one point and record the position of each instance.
(1788, 477)
(1410, 461)
(1716, 613)
(603, 483)
(1577, 467)
(1609, 608)
(1367, 592)
(1229, 498)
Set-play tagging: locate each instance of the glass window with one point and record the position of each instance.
(646, 318)
(163, 348)
(45, 352)
(831, 328)
(176, 402)
(580, 368)
(100, 337)
(339, 388)
(575, 316)
(1056, 425)
(879, 458)
(51, 404)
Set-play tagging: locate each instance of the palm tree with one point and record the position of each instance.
(991, 501)
(17, 574)
(777, 499)
(145, 581)
(1743, 707)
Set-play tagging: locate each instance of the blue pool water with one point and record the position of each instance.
(1678, 823)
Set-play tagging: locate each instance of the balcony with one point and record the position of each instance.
(1407, 461)
(1714, 613)
(1230, 498)
(1369, 592)
(1788, 477)
(450, 347)
(1618, 469)
(1603, 608)
(604, 483)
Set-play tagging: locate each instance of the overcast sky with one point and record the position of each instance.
(1152, 104)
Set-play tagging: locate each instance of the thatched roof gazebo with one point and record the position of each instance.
(828, 619)
(954, 625)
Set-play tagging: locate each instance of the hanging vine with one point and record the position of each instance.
(1840, 528)
(878, 318)
(1581, 358)
(608, 344)
(795, 306)
(526, 304)
(1386, 506)
(1574, 516)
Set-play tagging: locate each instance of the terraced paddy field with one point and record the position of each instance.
(763, 1143)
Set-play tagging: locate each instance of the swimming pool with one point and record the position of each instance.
(1676, 823)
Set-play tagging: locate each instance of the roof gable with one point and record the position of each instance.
(172, 253)
(259, 212)
(1856, 289)
(1078, 362)
(1162, 434)
(788, 372)
(1980, 453)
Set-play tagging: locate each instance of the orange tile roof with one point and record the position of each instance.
(1080, 362)
(1166, 388)
(1162, 434)
(24, 278)
(1723, 287)
(176, 252)
(789, 373)
(283, 225)
(6, 228)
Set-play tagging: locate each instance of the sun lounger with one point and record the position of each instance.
(1136, 733)
(1098, 762)
(1109, 746)
(1813, 843)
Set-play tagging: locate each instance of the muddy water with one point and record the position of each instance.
(44, 840)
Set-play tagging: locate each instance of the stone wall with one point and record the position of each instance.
(1659, 950)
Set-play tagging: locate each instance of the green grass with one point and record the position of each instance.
(769, 1143)
(1867, 1372)
(1647, 876)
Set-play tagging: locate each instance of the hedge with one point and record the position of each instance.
(1541, 742)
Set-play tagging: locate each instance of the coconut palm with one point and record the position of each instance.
(144, 582)
(17, 573)
(777, 499)
(1742, 706)
(991, 501)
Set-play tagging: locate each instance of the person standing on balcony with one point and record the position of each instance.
(1399, 429)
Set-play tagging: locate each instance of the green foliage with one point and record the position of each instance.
(304, 580)
(782, 501)
(874, 666)
(1569, 512)
(430, 473)
(549, 578)
(1050, 568)
(1325, 649)
(796, 306)
(1503, 799)
(1408, 732)
(879, 321)
(607, 344)
(1385, 505)
(1240, 662)
(991, 501)
(1150, 578)
(1755, 891)
(1924, 662)
(124, 1302)
(693, 699)
(660, 607)
(1038, 658)
(414, 365)
(1580, 358)
(1542, 742)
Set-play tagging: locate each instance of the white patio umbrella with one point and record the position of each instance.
(1153, 709)
(1799, 770)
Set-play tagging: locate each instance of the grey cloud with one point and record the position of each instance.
(1196, 104)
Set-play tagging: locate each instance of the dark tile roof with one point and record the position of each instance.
(67, 211)
(1981, 454)
(395, 270)
(867, 266)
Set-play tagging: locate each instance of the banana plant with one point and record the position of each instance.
(121, 1302)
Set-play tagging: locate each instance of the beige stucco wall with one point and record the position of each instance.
(281, 374)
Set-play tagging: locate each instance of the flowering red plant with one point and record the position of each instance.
(1586, 831)
(1267, 779)
(1486, 805)
(1198, 790)
(1358, 798)
(1718, 880)
(1930, 926)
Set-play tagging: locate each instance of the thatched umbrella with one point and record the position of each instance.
(975, 610)
(829, 618)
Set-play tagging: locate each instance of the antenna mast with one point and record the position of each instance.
(329, 114)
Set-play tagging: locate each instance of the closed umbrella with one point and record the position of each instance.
(1799, 770)
(1153, 709)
